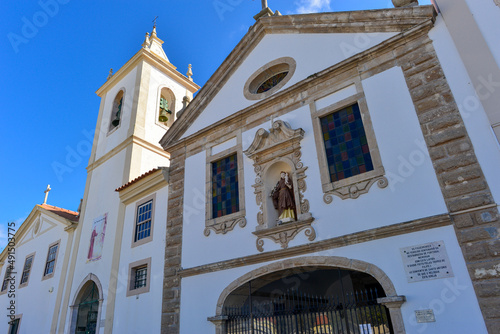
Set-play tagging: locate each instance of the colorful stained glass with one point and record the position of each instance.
(225, 195)
(271, 82)
(346, 146)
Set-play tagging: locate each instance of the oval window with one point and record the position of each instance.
(269, 78)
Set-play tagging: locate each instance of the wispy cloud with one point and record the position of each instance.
(312, 6)
(4, 230)
(239, 33)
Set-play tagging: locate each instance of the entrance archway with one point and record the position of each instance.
(86, 308)
(311, 295)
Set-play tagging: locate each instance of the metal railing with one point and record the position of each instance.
(298, 313)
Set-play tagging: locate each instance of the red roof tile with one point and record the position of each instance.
(68, 214)
(137, 179)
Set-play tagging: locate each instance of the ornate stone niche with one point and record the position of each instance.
(274, 151)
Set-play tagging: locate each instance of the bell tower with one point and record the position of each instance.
(138, 105)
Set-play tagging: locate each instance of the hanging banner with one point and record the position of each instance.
(97, 238)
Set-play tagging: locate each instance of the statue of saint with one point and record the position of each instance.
(283, 199)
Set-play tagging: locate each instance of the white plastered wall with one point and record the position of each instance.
(452, 299)
(102, 199)
(110, 139)
(312, 52)
(39, 294)
(487, 15)
(130, 312)
(413, 190)
(150, 160)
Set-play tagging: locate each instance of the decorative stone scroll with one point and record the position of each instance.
(355, 190)
(226, 226)
(282, 234)
(271, 151)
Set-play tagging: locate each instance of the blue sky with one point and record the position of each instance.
(56, 53)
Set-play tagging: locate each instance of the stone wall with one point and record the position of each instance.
(468, 198)
(173, 248)
(464, 187)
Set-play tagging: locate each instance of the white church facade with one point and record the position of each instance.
(336, 174)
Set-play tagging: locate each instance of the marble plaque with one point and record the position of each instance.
(426, 262)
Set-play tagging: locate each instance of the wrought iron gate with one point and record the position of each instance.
(88, 311)
(298, 313)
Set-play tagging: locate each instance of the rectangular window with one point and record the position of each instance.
(51, 261)
(14, 326)
(28, 263)
(346, 144)
(347, 149)
(143, 221)
(6, 278)
(225, 195)
(139, 277)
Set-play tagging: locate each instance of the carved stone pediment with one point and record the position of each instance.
(272, 150)
(281, 135)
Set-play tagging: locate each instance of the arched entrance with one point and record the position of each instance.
(311, 295)
(86, 308)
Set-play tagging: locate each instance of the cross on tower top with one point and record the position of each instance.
(264, 4)
(154, 22)
(46, 193)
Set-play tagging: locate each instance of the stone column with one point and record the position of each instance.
(394, 305)
(220, 323)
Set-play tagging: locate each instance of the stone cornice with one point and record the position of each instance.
(153, 60)
(337, 242)
(130, 140)
(388, 20)
(169, 143)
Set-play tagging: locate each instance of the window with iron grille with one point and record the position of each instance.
(225, 195)
(141, 275)
(143, 221)
(27, 269)
(51, 260)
